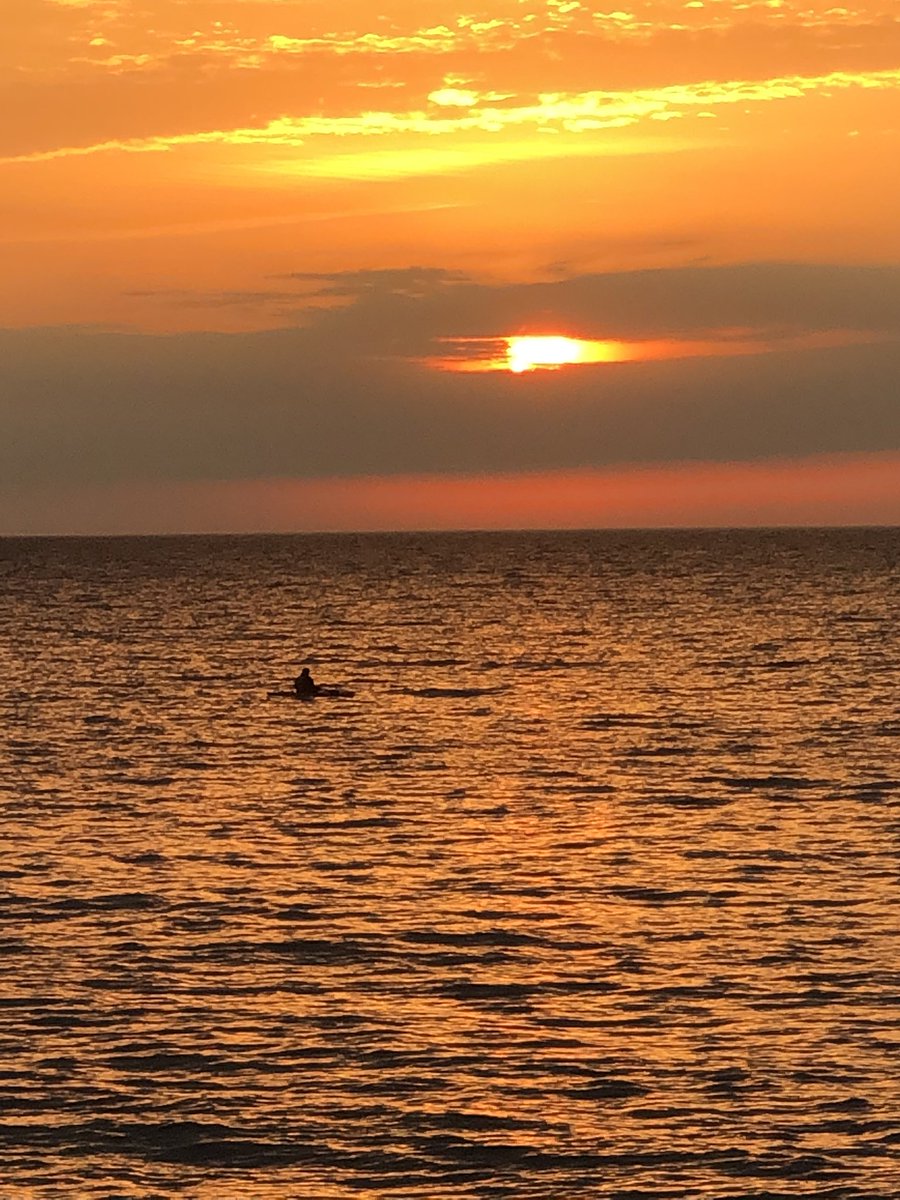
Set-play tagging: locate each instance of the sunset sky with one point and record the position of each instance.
(289, 264)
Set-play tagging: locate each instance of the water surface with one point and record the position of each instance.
(589, 890)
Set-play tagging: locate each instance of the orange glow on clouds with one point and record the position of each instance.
(520, 354)
(408, 134)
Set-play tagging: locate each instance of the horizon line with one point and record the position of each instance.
(461, 531)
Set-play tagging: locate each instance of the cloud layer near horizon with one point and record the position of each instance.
(830, 490)
(345, 393)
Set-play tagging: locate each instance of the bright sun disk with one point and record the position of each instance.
(528, 353)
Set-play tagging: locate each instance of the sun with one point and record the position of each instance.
(533, 352)
(530, 353)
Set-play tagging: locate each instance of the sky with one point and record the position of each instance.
(296, 265)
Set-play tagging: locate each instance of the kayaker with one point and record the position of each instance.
(305, 685)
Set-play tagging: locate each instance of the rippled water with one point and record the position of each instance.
(589, 890)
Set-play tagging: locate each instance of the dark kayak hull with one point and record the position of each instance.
(324, 693)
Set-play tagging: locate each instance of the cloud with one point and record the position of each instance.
(417, 282)
(583, 113)
(408, 312)
(343, 394)
(256, 35)
(684, 301)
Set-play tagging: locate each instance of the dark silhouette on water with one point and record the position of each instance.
(305, 685)
(306, 688)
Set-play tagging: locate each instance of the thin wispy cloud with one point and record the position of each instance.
(560, 113)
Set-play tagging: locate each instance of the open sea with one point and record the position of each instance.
(590, 889)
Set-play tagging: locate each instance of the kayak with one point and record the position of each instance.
(324, 692)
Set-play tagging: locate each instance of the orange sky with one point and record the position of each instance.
(376, 183)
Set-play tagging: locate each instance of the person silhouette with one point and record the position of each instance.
(305, 685)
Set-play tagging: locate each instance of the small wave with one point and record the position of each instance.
(652, 895)
(210, 1145)
(875, 785)
(487, 937)
(851, 1105)
(754, 782)
(77, 906)
(320, 951)
(659, 752)
(168, 1061)
(784, 664)
(465, 989)
(457, 1120)
(612, 720)
(299, 912)
(145, 780)
(556, 664)
(414, 662)
(685, 801)
(607, 1089)
(438, 693)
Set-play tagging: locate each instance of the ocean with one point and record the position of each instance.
(589, 889)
